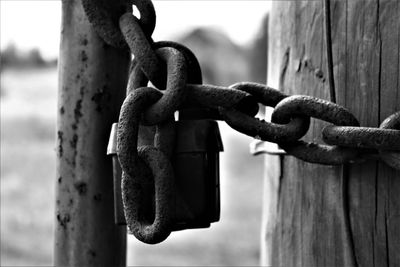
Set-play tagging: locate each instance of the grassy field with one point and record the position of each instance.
(28, 115)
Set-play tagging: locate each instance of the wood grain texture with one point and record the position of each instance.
(308, 223)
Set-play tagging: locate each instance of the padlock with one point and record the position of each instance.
(196, 167)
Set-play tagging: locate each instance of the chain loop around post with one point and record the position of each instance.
(100, 14)
(134, 163)
(362, 137)
(386, 138)
(321, 109)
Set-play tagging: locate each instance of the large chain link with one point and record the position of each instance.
(174, 68)
(134, 162)
(308, 106)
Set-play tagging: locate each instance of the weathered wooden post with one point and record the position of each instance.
(326, 215)
(92, 85)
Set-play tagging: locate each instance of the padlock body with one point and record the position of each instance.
(196, 166)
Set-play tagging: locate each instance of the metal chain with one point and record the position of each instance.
(173, 68)
(347, 142)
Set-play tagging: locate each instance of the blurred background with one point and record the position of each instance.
(230, 41)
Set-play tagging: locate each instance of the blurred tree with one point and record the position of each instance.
(222, 61)
(11, 56)
(8, 55)
(35, 57)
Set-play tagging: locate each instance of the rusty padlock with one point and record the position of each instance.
(196, 166)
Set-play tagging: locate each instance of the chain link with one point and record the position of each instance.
(141, 47)
(175, 89)
(299, 105)
(135, 162)
(104, 16)
(268, 131)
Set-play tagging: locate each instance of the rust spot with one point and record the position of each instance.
(91, 253)
(59, 180)
(60, 143)
(63, 220)
(81, 187)
(62, 110)
(77, 110)
(83, 56)
(97, 197)
(84, 41)
(78, 76)
(101, 98)
(74, 141)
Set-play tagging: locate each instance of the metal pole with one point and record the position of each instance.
(92, 82)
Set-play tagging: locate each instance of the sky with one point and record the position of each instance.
(31, 23)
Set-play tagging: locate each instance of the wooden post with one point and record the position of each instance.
(92, 85)
(307, 223)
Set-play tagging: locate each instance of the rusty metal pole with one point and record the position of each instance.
(92, 82)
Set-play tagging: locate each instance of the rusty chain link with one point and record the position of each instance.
(298, 105)
(104, 16)
(268, 131)
(175, 89)
(386, 138)
(134, 162)
(383, 138)
(173, 68)
(142, 48)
